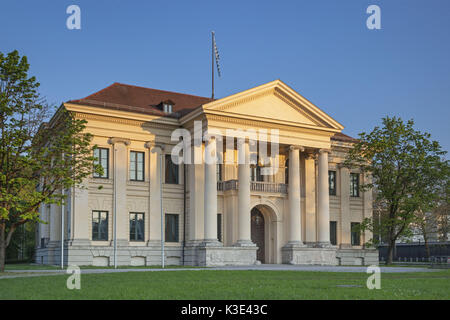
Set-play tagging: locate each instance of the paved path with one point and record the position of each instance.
(264, 267)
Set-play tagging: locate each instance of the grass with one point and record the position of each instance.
(10, 267)
(233, 285)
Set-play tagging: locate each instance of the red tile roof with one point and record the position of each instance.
(126, 97)
(344, 138)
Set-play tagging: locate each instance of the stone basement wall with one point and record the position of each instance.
(87, 255)
(197, 254)
(357, 257)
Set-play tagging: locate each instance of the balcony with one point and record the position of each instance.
(257, 186)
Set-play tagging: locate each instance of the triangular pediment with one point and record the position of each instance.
(274, 101)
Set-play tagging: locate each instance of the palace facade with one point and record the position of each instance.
(303, 210)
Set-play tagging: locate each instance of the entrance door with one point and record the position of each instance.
(257, 229)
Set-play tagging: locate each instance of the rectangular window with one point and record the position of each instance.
(332, 182)
(171, 232)
(137, 166)
(219, 227)
(99, 225)
(171, 170)
(219, 172)
(136, 226)
(355, 233)
(354, 184)
(102, 158)
(255, 174)
(333, 233)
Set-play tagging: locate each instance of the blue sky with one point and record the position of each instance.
(320, 48)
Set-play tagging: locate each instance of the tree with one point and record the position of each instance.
(407, 170)
(442, 212)
(21, 248)
(432, 218)
(37, 159)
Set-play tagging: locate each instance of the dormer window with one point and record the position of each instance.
(167, 108)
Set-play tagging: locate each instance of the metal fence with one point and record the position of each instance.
(415, 252)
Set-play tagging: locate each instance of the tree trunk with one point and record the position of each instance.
(427, 248)
(390, 253)
(2, 248)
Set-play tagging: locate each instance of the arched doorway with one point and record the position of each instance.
(265, 231)
(258, 233)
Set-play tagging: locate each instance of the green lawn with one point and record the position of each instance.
(10, 267)
(240, 285)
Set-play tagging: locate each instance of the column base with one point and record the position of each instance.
(323, 244)
(294, 244)
(211, 243)
(244, 243)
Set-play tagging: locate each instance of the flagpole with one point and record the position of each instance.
(212, 63)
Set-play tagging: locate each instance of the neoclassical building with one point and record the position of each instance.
(303, 210)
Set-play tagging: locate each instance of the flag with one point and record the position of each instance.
(216, 52)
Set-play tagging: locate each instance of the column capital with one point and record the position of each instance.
(342, 166)
(324, 150)
(153, 144)
(114, 140)
(296, 147)
(242, 140)
(310, 155)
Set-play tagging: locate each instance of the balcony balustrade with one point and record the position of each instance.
(256, 186)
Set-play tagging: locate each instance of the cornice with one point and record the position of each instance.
(247, 99)
(131, 122)
(263, 124)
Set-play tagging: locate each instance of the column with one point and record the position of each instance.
(310, 199)
(244, 226)
(324, 200)
(210, 201)
(80, 214)
(155, 175)
(120, 210)
(196, 185)
(368, 207)
(55, 222)
(295, 231)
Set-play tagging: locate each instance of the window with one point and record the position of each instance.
(256, 173)
(286, 171)
(219, 227)
(219, 172)
(171, 233)
(355, 233)
(332, 182)
(167, 108)
(333, 233)
(137, 166)
(136, 226)
(354, 184)
(171, 170)
(100, 225)
(102, 158)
